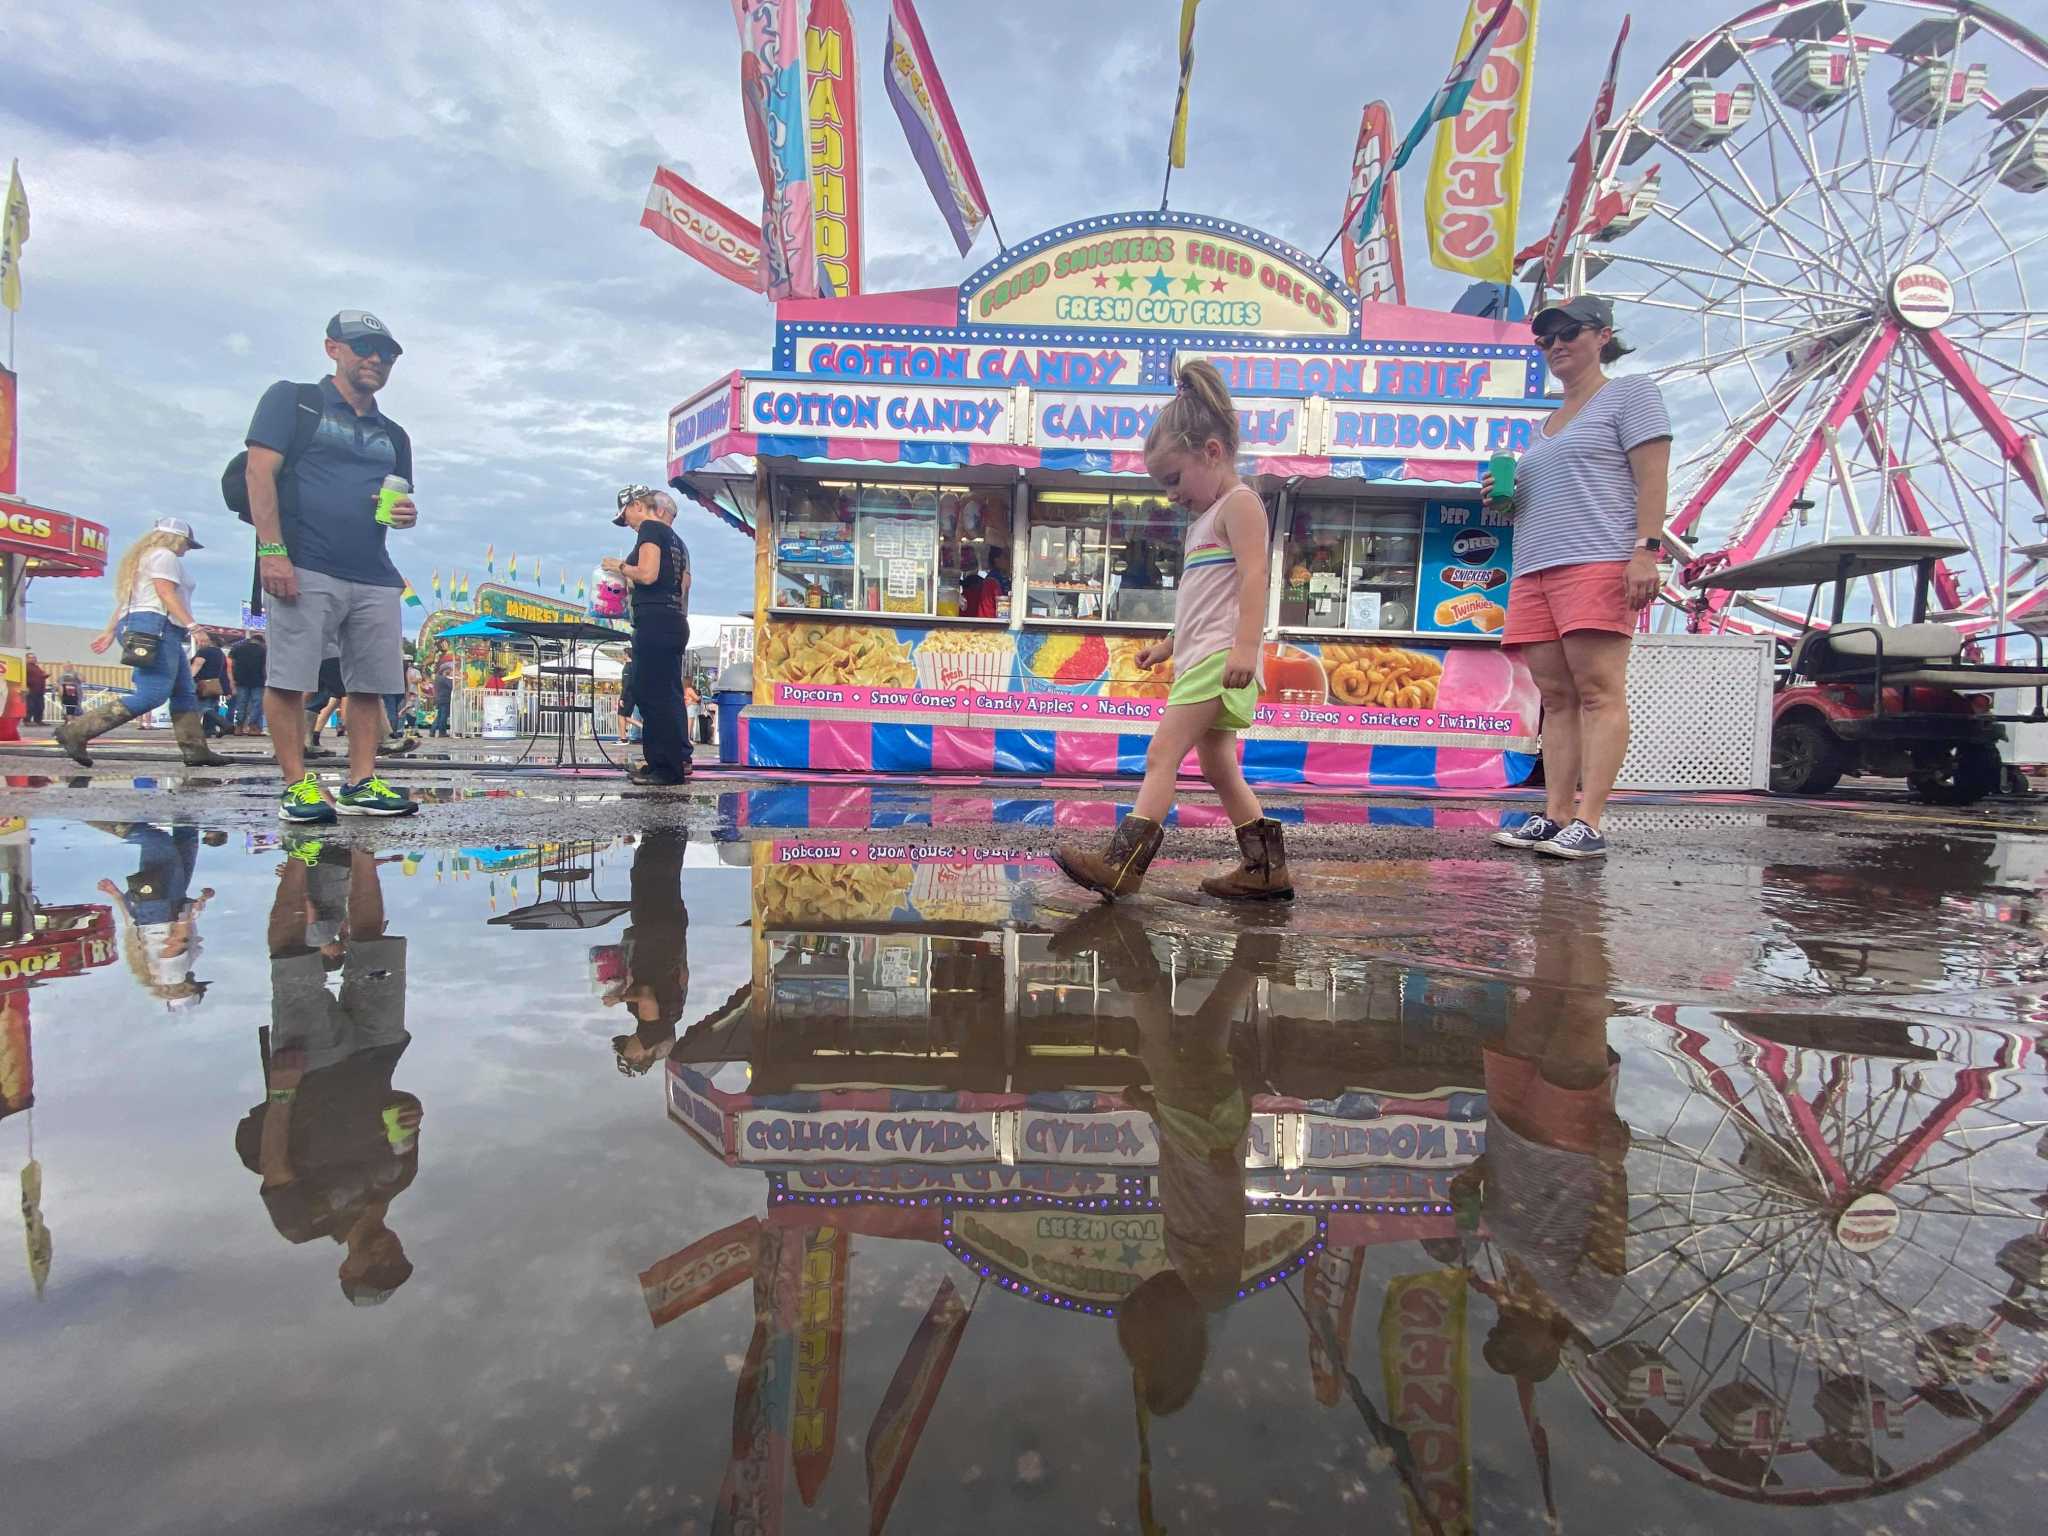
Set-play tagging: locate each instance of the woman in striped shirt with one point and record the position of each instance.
(1589, 526)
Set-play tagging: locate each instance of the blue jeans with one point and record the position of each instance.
(157, 891)
(168, 677)
(247, 708)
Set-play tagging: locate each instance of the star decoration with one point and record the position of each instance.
(1192, 283)
(1216, 286)
(1126, 281)
(1133, 1255)
(1159, 282)
(1102, 279)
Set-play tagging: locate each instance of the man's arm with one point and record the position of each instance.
(265, 464)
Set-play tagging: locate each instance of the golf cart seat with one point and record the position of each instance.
(1854, 650)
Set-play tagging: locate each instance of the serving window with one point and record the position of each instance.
(1351, 565)
(864, 546)
(1105, 557)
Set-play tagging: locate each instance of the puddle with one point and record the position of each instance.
(842, 1178)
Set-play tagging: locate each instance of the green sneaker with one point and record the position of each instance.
(306, 850)
(373, 797)
(303, 803)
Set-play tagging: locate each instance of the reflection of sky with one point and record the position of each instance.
(513, 1383)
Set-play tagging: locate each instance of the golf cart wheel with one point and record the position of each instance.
(1805, 758)
(1978, 771)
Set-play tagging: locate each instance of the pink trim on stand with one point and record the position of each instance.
(963, 749)
(1084, 752)
(842, 744)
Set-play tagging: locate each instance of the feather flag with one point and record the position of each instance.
(1177, 146)
(512, 569)
(936, 142)
(832, 103)
(410, 597)
(820, 1358)
(582, 589)
(1564, 229)
(437, 588)
(1448, 101)
(772, 34)
(750, 1496)
(13, 236)
(1372, 257)
(700, 226)
(490, 559)
(1475, 181)
(900, 1418)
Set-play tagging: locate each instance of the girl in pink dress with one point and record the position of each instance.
(1218, 618)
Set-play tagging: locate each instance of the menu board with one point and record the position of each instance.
(1467, 559)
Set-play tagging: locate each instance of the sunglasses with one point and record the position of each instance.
(383, 349)
(1562, 335)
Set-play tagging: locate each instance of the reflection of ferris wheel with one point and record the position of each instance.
(1834, 1283)
(1818, 221)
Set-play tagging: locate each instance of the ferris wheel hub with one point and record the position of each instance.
(1867, 1223)
(1922, 297)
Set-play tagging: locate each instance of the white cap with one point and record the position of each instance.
(180, 527)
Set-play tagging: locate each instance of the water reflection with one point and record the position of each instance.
(648, 974)
(159, 912)
(334, 1142)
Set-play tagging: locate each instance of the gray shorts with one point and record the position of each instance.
(305, 1016)
(360, 621)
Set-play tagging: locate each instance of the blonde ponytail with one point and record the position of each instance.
(1200, 410)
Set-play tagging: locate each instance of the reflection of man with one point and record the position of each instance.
(657, 954)
(1553, 1185)
(334, 1141)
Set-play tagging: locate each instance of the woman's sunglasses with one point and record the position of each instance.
(1545, 340)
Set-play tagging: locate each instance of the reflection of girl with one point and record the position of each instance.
(1220, 610)
(152, 600)
(656, 986)
(160, 916)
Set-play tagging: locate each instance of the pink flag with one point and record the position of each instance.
(699, 225)
(709, 1267)
(1372, 257)
(900, 1420)
(936, 142)
(1565, 227)
(772, 32)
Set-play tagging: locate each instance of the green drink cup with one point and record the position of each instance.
(394, 490)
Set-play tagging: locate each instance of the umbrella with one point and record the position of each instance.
(478, 629)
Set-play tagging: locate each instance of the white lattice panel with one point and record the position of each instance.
(1700, 712)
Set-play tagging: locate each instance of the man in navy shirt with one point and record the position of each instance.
(322, 561)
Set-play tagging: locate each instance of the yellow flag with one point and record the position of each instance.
(1177, 151)
(1475, 181)
(13, 236)
(512, 569)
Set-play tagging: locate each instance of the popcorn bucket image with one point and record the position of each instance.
(966, 661)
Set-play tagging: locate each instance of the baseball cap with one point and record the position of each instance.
(1586, 309)
(627, 496)
(354, 325)
(180, 527)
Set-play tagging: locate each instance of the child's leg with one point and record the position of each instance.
(1217, 751)
(1180, 728)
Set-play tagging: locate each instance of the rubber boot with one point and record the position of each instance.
(1261, 874)
(74, 733)
(190, 729)
(1119, 869)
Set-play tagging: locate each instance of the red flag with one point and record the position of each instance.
(1330, 1288)
(709, 1267)
(1372, 258)
(699, 225)
(750, 1498)
(892, 1437)
(820, 1354)
(832, 106)
(1565, 227)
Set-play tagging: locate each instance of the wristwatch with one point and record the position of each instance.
(265, 551)
(1653, 545)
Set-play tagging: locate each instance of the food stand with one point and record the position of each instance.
(35, 541)
(900, 438)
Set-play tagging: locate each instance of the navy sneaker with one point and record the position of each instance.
(373, 797)
(1577, 841)
(1533, 830)
(304, 804)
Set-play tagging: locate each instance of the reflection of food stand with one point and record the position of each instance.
(902, 438)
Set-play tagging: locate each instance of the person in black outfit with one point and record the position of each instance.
(658, 574)
(657, 954)
(210, 681)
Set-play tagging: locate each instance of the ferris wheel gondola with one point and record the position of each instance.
(1818, 220)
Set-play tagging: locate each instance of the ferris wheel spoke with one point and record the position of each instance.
(1773, 212)
(1862, 99)
(1806, 258)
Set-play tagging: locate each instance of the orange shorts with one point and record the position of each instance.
(1540, 1110)
(1548, 605)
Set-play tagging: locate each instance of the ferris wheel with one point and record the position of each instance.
(1817, 224)
(1835, 1262)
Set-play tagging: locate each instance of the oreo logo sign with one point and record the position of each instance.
(1475, 546)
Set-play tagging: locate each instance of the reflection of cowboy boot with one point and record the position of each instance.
(73, 734)
(1261, 873)
(1120, 869)
(1118, 941)
(190, 731)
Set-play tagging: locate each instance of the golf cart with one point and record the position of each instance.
(1896, 700)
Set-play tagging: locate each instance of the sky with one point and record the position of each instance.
(209, 184)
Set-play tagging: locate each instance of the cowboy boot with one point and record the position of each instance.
(1261, 874)
(1120, 869)
(74, 733)
(190, 730)
(1118, 941)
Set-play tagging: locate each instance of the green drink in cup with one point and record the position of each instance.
(394, 490)
(1500, 481)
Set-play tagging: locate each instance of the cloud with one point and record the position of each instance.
(210, 184)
